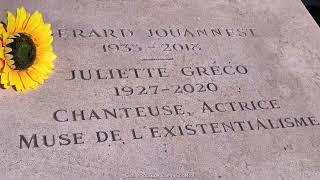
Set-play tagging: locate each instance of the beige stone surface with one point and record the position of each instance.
(267, 54)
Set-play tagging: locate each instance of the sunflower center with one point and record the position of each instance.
(23, 51)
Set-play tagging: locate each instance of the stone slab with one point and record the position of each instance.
(161, 89)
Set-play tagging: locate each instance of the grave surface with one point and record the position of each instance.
(198, 89)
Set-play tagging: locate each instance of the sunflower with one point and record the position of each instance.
(26, 53)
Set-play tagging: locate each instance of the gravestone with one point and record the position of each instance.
(161, 89)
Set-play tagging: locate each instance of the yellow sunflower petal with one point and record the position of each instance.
(27, 81)
(20, 19)
(8, 57)
(35, 75)
(10, 22)
(45, 57)
(42, 35)
(44, 48)
(16, 80)
(43, 69)
(8, 41)
(43, 41)
(2, 51)
(6, 50)
(4, 35)
(26, 21)
(2, 30)
(5, 80)
(6, 68)
(1, 65)
(11, 62)
(35, 20)
(48, 66)
(12, 79)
